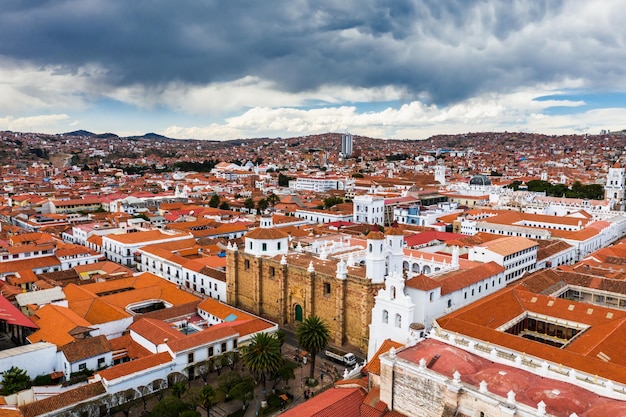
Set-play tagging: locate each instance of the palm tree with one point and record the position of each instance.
(313, 335)
(262, 357)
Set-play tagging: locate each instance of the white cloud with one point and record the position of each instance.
(246, 92)
(491, 112)
(27, 88)
(33, 123)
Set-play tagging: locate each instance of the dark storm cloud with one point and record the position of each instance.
(446, 49)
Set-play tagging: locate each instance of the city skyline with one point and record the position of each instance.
(400, 70)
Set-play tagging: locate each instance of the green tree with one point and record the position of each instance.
(285, 373)
(249, 203)
(14, 380)
(232, 358)
(313, 336)
(224, 206)
(262, 357)
(514, 185)
(227, 381)
(272, 200)
(332, 201)
(178, 389)
(262, 205)
(281, 336)
(218, 363)
(206, 397)
(169, 407)
(283, 180)
(214, 201)
(141, 216)
(594, 191)
(243, 391)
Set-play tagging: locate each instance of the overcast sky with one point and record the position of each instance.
(211, 69)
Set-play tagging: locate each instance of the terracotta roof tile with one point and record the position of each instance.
(373, 366)
(606, 329)
(266, 233)
(65, 399)
(135, 366)
(344, 402)
(82, 349)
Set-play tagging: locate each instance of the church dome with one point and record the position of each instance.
(480, 180)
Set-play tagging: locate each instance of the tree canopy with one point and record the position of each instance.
(214, 201)
(313, 336)
(262, 356)
(577, 190)
(14, 380)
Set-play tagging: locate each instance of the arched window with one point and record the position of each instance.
(450, 303)
(370, 247)
(398, 320)
(393, 293)
(385, 316)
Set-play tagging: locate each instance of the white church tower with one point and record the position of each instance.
(440, 174)
(395, 246)
(615, 187)
(392, 314)
(375, 258)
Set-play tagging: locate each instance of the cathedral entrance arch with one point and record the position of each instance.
(298, 312)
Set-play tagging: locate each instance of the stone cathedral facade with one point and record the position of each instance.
(284, 284)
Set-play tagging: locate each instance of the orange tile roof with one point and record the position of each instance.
(222, 310)
(106, 301)
(132, 349)
(81, 349)
(266, 233)
(55, 324)
(63, 400)
(143, 237)
(508, 245)
(204, 337)
(155, 331)
(32, 263)
(135, 366)
(246, 327)
(607, 328)
(344, 402)
(373, 366)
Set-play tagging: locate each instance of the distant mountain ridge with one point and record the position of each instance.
(79, 133)
(83, 133)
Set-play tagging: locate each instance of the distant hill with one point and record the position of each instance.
(152, 136)
(106, 136)
(79, 133)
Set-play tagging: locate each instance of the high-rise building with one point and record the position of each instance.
(346, 145)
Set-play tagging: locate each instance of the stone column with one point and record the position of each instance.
(340, 305)
(257, 284)
(309, 309)
(283, 308)
(232, 278)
